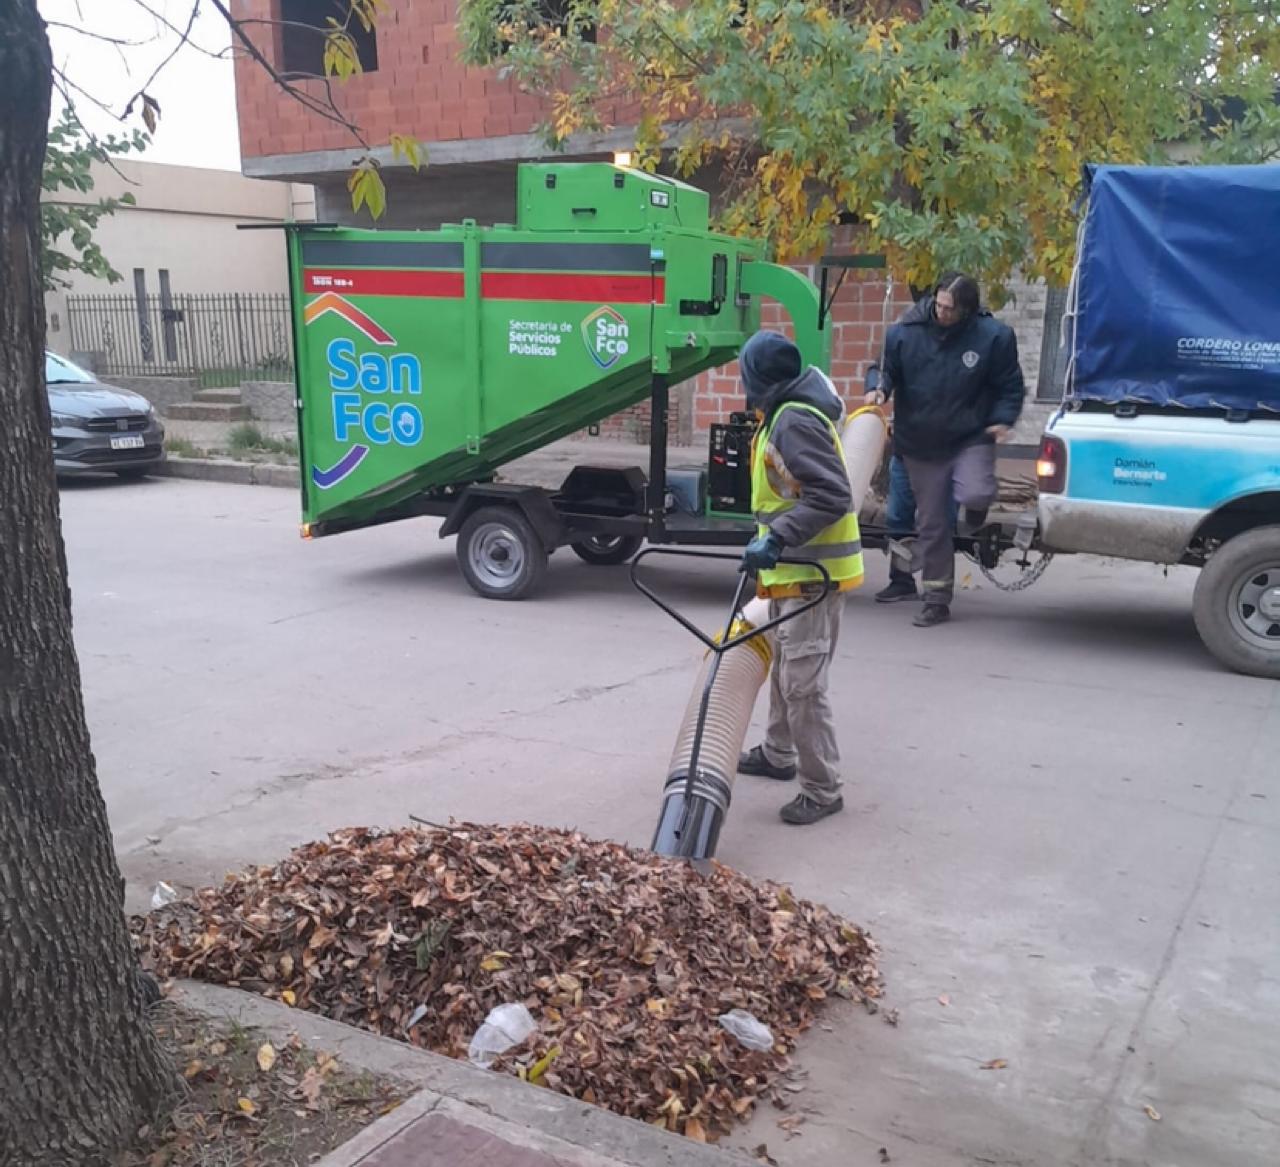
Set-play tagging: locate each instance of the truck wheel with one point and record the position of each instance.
(1237, 603)
(607, 550)
(500, 554)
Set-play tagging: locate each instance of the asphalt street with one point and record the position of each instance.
(1062, 824)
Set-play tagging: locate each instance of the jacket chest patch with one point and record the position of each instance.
(970, 359)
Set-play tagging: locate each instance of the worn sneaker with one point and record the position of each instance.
(898, 589)
(754, 762)
(931, 615)
(803, 810)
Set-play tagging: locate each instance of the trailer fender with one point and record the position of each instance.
(532, 501)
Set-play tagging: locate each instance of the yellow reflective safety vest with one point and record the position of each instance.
(773, 492)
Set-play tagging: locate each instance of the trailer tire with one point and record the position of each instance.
(1237, 603)
(500, 554)
(607, 550)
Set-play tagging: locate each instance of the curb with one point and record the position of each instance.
(541, 1122)
(229, 470)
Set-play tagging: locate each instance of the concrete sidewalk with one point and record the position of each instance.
(461, 1116)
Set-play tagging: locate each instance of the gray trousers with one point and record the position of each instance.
(967, 479)
(802, 730)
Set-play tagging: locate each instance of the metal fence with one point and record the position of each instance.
(227, 337)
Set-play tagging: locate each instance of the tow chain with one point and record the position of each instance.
(1026, 577)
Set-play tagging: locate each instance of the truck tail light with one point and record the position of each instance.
(1051, 466)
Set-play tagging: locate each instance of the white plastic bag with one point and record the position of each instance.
(505, 1028)
(162, 896)
(748, 1029)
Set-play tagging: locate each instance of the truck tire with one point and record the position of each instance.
(1237, 603)
(500, 554)
(607, 550)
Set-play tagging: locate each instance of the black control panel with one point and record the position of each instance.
(729, 465)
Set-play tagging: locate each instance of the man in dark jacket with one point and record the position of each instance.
(804, 505)
(953, 372)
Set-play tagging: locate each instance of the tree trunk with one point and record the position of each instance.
(80, 1068)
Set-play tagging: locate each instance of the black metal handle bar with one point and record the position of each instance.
(718, 646)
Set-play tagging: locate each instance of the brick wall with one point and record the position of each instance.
(419, 88)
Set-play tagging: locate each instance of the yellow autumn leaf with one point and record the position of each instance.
(542, 1065)
(266, 1057)
(289, 997)
(247, 1106)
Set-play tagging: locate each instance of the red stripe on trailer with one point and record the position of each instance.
(352, 282)
(644, 289)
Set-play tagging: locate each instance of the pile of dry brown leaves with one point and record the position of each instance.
(624, 959)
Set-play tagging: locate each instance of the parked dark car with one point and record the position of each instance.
(97, 428)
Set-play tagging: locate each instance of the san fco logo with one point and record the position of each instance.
(353, 379)
(607, 336)
(378, 422)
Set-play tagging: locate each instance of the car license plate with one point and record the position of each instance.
(128, 442)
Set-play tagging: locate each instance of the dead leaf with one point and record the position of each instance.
(609, 948)
(1151, 1112)
(762, 1154)
(310, 1087)
(995, 1064)
(694, 1130)
(193, 1068)
(266, 1057)
(542, 1065)
(791, 1125)
(248, 1106)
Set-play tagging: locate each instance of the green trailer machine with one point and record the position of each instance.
(426, 360)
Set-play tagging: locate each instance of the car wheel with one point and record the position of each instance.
(1237, 603)
(500, 554)
(607, 550)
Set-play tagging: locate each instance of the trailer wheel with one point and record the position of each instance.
(607, 550)
(500, 554)
(1237, 603)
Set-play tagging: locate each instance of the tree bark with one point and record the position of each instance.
(80, 1068)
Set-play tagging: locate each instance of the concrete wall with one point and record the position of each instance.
(160, 391)
(269, 400)
(185, 222)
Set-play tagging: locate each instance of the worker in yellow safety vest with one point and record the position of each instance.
(804, 509)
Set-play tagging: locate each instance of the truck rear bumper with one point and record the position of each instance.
(1152, 534)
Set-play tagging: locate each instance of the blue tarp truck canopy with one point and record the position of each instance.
(1179, 287)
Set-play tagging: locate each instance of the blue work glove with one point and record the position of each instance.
(762, 553)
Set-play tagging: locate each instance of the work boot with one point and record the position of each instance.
(754, 762)
(898, 589)
(931, 615)
(803, 810)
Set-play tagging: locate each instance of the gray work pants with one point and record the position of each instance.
(967, 479)
(802, 731)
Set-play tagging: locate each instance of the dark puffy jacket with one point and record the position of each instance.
(949, 385)
(801, 459)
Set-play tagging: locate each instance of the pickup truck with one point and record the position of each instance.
(1167, 445)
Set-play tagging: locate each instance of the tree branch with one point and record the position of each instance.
(331, 112)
